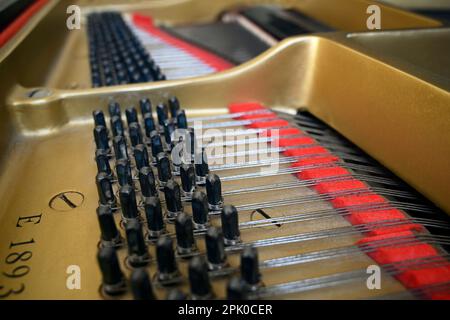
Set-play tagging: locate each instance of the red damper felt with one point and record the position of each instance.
(318, 173)
(290, 142)
(301, 152)
(245, 107)
(281, 132)
(265, 115)
(399, 253)
(337, 186)
(357, 200)
(269, 124)
(315, 161)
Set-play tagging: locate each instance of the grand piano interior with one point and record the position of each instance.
(196, 149)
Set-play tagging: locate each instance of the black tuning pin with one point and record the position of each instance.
(201, 167)
(169, 129)
(141, 156)
(137, 248)
(156, 143)
(200, 209)
(172, 195)
(101, 137)
(141, 287)
(174, 106)
(199, 279)
(237, 289)
(147, 182)
(176, 294)
(149, 124)
(101, 158)
(114, 109)
(215, 249)
(161, 111)
(105, 190)
(185, 234)
(135, 133)
(99, 118)
(188, 180)
(109, 233)
(182, 122)
(123, 170)
(154, 215)
(230, 225)
(131, 115)
(113, 280)
(117, 126)
(164, 168)
(250, 267)
(120, 148)
(128, 202)
(192, 142)
(214, 192)
(146, 106)
(165, 258)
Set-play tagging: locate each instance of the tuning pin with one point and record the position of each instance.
(182, 122)
(230, 225)
(250, 267)
(176, 294)
(101, 158)
(114, 109)
(124, 172)
(169, 129)
(147, 182)
(164, 168)
(192, 141)
(131, 115)
(149, 124)
(128, 202)
(214, 192)
(199, 279)
(174, 106)
(157, 146)
(200, 210)
(120, 148)
(105, 190)
(113, 280)
(99, 118)
(155, 219)
(215, 248)
(137, 248)
(237, 289)
(141, 156)
(109, 233)
(135, 133)
(185, 234)
(101, 137)
(141, 287)
(117, 126)
(165, 257)
(187, 174)
(146, 106)
(172, 195)
(201, 167)
(161, 111)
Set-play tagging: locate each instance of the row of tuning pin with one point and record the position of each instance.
(116, 54)
(238, 288)
(202, 204)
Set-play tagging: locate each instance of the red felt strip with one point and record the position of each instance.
(398, 228)
(315, 161)
(20, 21)
(318, 173)
(384, 255)
(337, 186)
(357, 199)
(146, 23)
(361, 217)
(269, 124)
(281, 132)
(393, 235)
(290, 142)
(415, 278)
(245, 107)
(265, 115)
(300, 152)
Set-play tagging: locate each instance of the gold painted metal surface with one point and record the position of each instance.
(399, 113)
